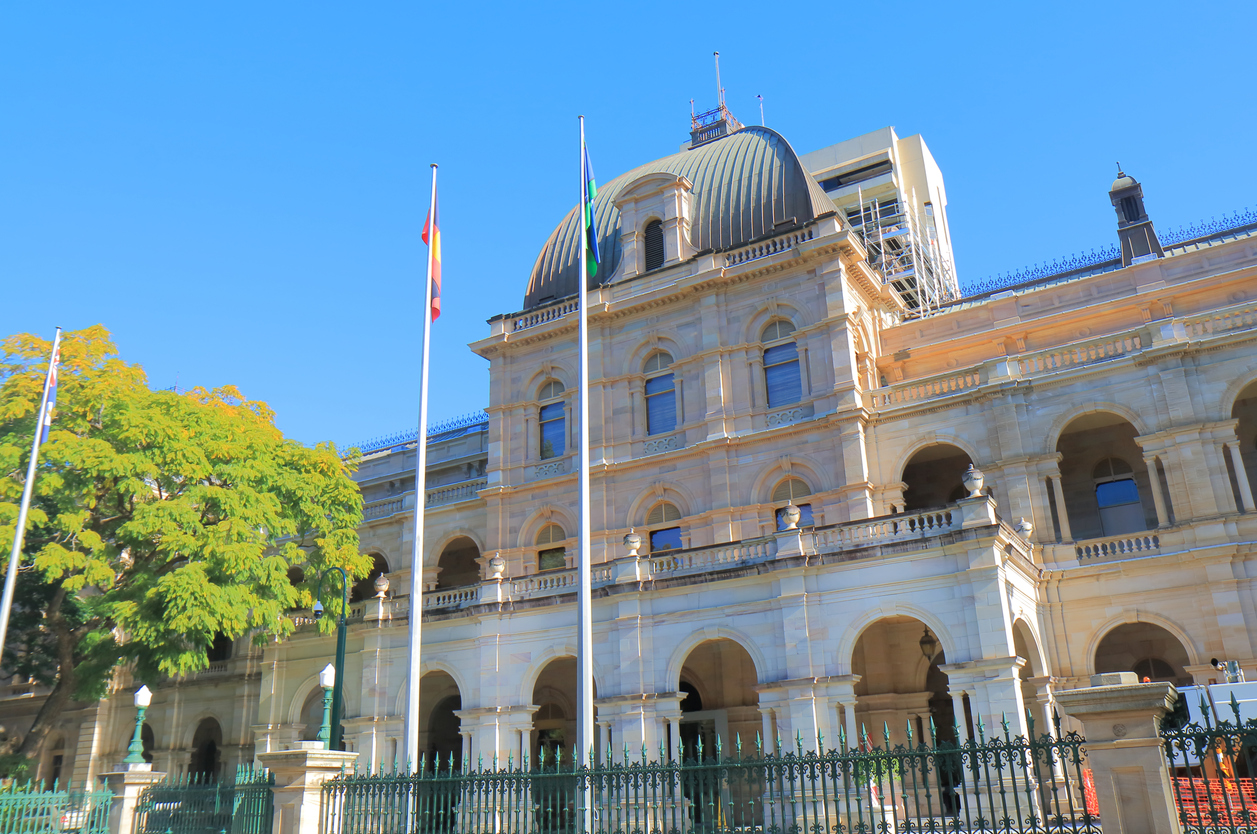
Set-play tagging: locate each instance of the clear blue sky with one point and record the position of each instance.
(236, 190)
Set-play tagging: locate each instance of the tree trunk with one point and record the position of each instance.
(67, 680)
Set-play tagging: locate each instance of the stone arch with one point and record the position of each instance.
(459, 563)
(1226, 403)
(673, 493)
(1106, 484)
(934, 438)
(528, 681)
(846, 645)
(804, 468)
(667, 340)
(1036, 662)
(540, 517)
(676, 661)
(426, 667)
(1062, 421)
(364, 588)
(934, 476)
(551, 369)
(770, 311)
(190, 728)
(433, 552)
(207, 742)
(1134, 617)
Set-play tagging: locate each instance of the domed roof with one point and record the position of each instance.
(1123, 181)
(744, 185)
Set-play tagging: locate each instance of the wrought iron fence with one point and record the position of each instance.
(1006, 783)
(200, 805)
(34, 809)
(1213, 769)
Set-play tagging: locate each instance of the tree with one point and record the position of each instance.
(159, 520)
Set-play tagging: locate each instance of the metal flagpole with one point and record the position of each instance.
(15, 557)
(585, 641)
(421, 476)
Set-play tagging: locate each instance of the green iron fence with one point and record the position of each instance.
(1213, 772)
(197, 805)
(31, 809)
(1005, 783)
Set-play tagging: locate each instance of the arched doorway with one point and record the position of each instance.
(1244, 411)
(440, 728)
(934, 477)
(554, 722)
(312, 714)
(1104, 478)
(902, 683)
(364, 588)
(457, 565)
(1035, 696)
(1146, 649)
(207, 746)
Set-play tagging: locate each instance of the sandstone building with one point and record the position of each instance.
(773, 331)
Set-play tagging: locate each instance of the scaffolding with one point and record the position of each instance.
(903, 245)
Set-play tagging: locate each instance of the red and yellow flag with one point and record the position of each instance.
(432, 237)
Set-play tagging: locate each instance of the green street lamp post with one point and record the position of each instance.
(328, 680)
(337, 736)
(135, 752)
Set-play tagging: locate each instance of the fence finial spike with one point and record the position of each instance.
(1030, 723)
(1235, 708)
(908, 722)
(886, 733)
(842, 738)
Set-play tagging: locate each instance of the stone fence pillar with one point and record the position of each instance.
(1121, 723)
(127, 783)
(299, 777)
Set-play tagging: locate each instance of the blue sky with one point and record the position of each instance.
(237, 190)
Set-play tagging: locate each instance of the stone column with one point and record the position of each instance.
(299, 777)
(759, 393)
(1241, 478)
(962, 723)
(1121, 722)
(1062, 514)
(127, 783)
(1163, 517)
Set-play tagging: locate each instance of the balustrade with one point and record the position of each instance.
(886, 529)
(453, 493)
(1082, 353)
(1238, 317)
(1139, 544)
(768, 247)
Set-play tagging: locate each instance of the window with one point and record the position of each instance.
(654, 245)
(668, 538)
(553, 422)
(551, 558)
(1130, 209)
(781, 365)
(661, 399)
(1117, 497)
(788, 492)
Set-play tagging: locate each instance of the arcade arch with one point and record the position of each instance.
(934, 476)
(1244, 412)
(1104, 478)
(440, 728)
(554, 721)
(364, 588)
(719, 678)
(1146, 649)
(457, 565)
(899, 661)
(207, 746)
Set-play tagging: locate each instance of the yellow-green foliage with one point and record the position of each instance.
(165, 517)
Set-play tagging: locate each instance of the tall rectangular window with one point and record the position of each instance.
(781, 374)
(661, 405)
(553, 431)
(667, 539)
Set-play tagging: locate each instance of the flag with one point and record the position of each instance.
(588, 192)
(51, 402)
(432, 237)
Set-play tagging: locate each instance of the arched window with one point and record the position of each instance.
(790, 491)
(220, 649)
(781, 364)
(653, 234)
(661, 397)
(553, 421)
(364, 588)
(666, 537)
(548, 556)
(1118, 498)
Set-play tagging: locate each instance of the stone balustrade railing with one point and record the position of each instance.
(535, 317)
(373, 510)
(885, 529)
(1112, 547)
(1237, 317)
(1082, 353)
(927, 388)
(451, 597)
(772, 246)
(714, 557)
(453, 493)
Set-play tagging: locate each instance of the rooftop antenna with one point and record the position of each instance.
(761, 110)
(1119, 169)
(720, 91)
(691, 110)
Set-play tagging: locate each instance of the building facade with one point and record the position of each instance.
(788, 391)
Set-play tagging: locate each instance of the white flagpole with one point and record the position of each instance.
(585, 642)
(19, 535)
(421, 477)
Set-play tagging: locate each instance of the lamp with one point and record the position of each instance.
(135, 750)
(342, 626)
(327, 680)
(928, 644)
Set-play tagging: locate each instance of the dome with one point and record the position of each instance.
(747, 185)
(1123, 181)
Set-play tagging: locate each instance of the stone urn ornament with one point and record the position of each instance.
(791, 515)
(1025, 528)
(633, 542)
(497, 566)
(381, 586)
(973, 479)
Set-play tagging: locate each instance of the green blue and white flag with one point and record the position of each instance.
(589, 190)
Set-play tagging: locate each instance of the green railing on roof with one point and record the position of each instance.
(29, 808)
(200, 805)
(1004, 783)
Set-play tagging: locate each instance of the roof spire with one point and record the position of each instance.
(720, 91)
